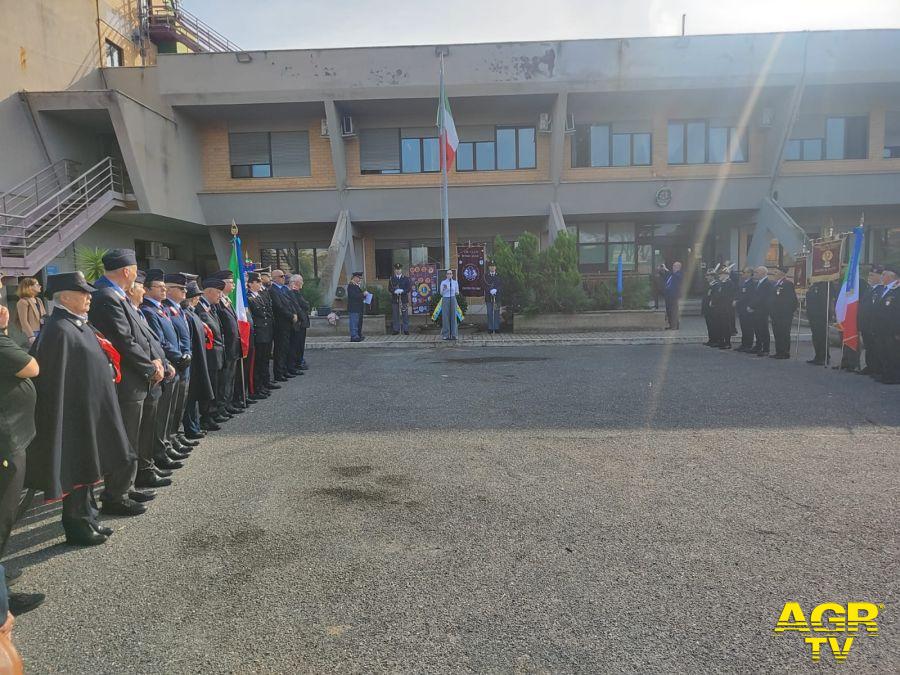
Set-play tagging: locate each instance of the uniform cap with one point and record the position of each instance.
(140, 277)
(70, 281)
(253, 276)
(155, 275)
(117, 258)
(193, 290)
(224, 274)
(178, 279)
(214, 282)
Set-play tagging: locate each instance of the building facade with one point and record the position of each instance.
(702, 149)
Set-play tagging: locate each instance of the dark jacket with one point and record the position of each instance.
(162, 327)
(355, 296)
(302, 307)
(260, 307)
(200, 386)
(868, 303)
(672, 285)
(761, 299)
(282, 307)
(816, 301)
(720, 302)
(743, 295)
(492, 282)
(231, 337)
(215, 357)
(783, 301)
(113, 315)
(404, 283)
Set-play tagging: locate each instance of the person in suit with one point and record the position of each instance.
(819, 314)
(722, 309)
(356, 307)
(783, 304)
(81, 435)
(233, 351)
(400, 288)
(176, 294)
(263, 332)
(200, 386)
(493, 285)
(672, 295)
(867, 325)
(210, 414)
(712, 336)
(298, 337)
(758, 308)
(742, 298)
(113, 315)
(887, 321)
(285, 316)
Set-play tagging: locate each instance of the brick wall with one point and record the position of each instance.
(217, 166)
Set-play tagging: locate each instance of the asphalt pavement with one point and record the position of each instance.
(526, 509)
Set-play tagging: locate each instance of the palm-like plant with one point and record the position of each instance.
(90, 261)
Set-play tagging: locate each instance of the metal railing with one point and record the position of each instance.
(21, 234)
(24, 197)
(168, 20)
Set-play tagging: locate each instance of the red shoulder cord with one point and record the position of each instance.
(112, 354)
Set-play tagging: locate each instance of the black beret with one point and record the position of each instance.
(70, 281)
(193, 290)
(155, 275)
(223, 274)
(191, 277)
(398, 266)
(140, 277)
(214, 282)
(253, 276)
(117, 258)
(356, 274)
(177, 279)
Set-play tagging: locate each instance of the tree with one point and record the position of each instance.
(559, 280)
(509, 267)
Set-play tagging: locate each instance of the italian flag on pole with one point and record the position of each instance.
(847, 305)
(446, 125)
(238, 296)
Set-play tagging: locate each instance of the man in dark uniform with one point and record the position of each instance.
(493, 285)
(260, 307)
(161, 325)
(742, 298)
(285, 317)
(672, 294)
(112, 314)
(210, 415)
(706, 312)
(298, 339)
(400, 288)
(176, 294)
(356, 307)
(867, 324)
(199, 385)
(721, 309)
(819, 314)
(233, 351)
(758, 308)
(81, 436)
(781, 309)
(887, 321)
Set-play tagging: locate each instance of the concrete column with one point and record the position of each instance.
(338, 156)
(558, 137)
(221, 241)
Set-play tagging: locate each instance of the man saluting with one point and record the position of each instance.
(81, 436)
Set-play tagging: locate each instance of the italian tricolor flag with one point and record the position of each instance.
(847, 305)
(239, 294)
(445, 123)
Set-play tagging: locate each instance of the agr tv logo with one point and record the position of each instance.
(830, 621)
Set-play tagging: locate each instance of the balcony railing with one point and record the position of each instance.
(166, 20)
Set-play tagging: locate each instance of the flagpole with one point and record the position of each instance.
(445, 197)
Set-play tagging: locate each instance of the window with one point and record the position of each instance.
(602, 145)
(113, 56)
(263, 154)
(892, 135)
(292, 259)
(379, 151)
(846, 138)
(599, 246)
(420, 155)
(803, 149)
(511, 148)
(388, 254)
(699, 142)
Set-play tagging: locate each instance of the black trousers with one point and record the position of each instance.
(12, 478)
(302, 349)
(209, 409)
(724, 322)
(889, 350)
(820, 343)
(873, 355)
(672, 312)
(117, 483)
(710, 326)
(261, 359)
(296, 350)
(179, 402)
(781, 329)
(281, 347)
(77, 505)
(746, 330)
(163, 417)
(225, 384)
(147, 439)
(761, 332)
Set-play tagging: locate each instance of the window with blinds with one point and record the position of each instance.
(263, 154)
(379, 151)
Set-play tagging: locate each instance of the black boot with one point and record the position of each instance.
(80, 533)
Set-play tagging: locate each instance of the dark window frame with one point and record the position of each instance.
(422, 169)
(605, 244)
(845, 119)
(270, 164)
(518, 167)
(295, 248)
(802, 142)
(610, 134)
(744, 141)
(409, 249)
(110, 49)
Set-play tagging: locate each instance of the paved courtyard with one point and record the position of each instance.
(515, 509)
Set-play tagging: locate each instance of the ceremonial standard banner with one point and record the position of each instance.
(423, 279)
(826, 260)
(800, 272)
(470, 269)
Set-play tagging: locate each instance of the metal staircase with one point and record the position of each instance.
(39, 219)
(167, 21)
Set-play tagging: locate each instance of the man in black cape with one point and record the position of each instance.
(81, 436)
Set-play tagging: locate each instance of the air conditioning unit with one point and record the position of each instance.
(570, 123)
(544, 123)
(347, 126)
(767, 117)
(323, 130)
(155, 249)
(165, 253)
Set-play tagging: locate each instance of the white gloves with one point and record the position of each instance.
(493, 291)
(398, 291)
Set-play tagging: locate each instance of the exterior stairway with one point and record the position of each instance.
(37, 221)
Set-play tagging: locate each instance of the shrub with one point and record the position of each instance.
(381, 303)
(312, 291)
(509, 266)
(558, 285)
(90, 262)
(635, 293)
